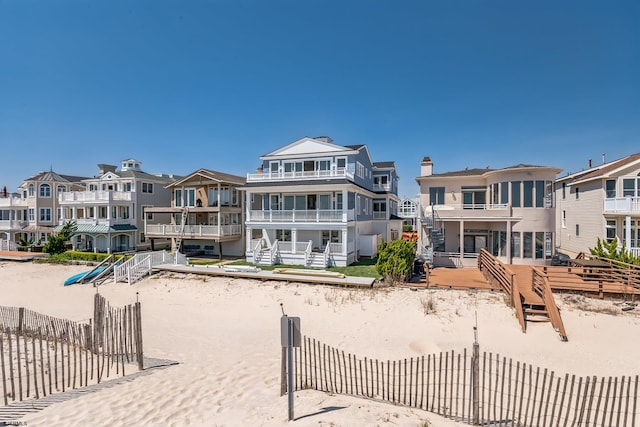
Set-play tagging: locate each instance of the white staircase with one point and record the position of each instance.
(142, 264)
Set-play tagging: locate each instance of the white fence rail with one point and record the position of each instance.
(142, 264)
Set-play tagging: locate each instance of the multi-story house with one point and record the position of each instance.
(316, 203)
(205, 217)
(31, 215)
(509, 212)
(109, 210)
(601, 202)
(13, 219)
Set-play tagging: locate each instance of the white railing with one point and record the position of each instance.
(327, 254)
(622, 204)
(635, 251)
(192, 231)
(380, 215)
(98, 221)
(319, 215)
(307, 252)
(298, 175)
(381, 187)
(94, 196)
(12, 201)
(142, 263)
(482, 206)
(257, 250)
(11, 224)
(273, 252)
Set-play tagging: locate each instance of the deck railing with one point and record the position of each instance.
(268, 175)
(622, 204)
(302, 216)
(193, 231)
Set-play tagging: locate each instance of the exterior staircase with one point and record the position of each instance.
(316, 260)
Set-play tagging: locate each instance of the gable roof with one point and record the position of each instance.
(211, 175)
(307, 146)
(603, 171)
(52, 176)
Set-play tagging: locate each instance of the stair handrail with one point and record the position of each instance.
(307, 252)
(183, 223)
(327, 254)
(541, 286)
(273, 252)
(257, 251)
(100, 264)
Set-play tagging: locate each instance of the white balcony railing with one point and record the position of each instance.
(192, 231)
(11, 224)
(319, 215)
(380, 215)
(12, 201)
(381, 187)
(622, 204)
(98, 221)
(298, 175)
(473, 210)
(94, 196)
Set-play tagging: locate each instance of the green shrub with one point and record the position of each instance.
(395, 260)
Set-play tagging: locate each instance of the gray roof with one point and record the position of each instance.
(384, 165)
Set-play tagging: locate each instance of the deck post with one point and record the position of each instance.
(475, 379)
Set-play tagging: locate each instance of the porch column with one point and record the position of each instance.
(509, 241)
(461, 242)
(345, 236)
(219, 187)
(247, 205)
(248, 238)
(627, 227)
(294, 239)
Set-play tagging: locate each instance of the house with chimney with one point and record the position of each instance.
(507, 211)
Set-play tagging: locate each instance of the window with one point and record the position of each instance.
(61, 189)
(503, 243)
(45, 190)
(190, 197)
(527, 244)
(341, 163)
(635, 233)
(32, 214)
(32, 191)
(178, 197)
(577, 193)
(610, 188)
(504, 193)
(93, 187)
(577, 229)
(436, 195)
(515, 245)
(564, 219)
(45, 214)
(528, 194)
(629, 188)
(564, 190)
(324, 202)
(149, 215)
(611, 230)
(234, 196)
(283, 235)
(540, 193)
(126, 187)
(539, 245)
(339, 201)
(548, 244)
(102, 212)
(147, 187)
(515, 194)
(274, 168)
(125, 212)
(274, 202)
(323, 166)
(360, 170)
(142, 237)
(548, 194)
(332, 236)
(473, 199)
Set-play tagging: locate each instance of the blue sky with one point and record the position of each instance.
(181, 85)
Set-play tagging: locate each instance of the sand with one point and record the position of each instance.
(225, 334)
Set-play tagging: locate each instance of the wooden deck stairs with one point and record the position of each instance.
(528, 291)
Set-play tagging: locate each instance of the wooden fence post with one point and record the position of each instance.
(475, 383)
(139, 352)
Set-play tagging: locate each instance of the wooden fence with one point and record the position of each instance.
(42, 355)
(480, 389)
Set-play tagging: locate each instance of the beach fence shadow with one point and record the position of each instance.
(473, 387)
(320, 412)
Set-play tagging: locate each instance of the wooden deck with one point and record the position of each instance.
(21, 255)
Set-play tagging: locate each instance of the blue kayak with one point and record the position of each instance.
(76, 277)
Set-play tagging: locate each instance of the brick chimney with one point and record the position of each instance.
(426, 167)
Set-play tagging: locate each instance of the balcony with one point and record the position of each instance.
(301, 216)
(99, 221)
(12, 202)
(380, 215)
(630, 205)
(72, 197)
(382, 187)
(193, 231)
(268, 176)
(11, 224)
(473, 211)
